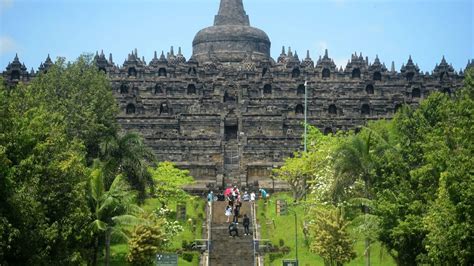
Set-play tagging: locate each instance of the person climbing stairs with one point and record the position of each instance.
(225, 249)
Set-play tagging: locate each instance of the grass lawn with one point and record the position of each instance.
(277, 228)
(195, 209)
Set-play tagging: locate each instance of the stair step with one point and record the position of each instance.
(226, 250)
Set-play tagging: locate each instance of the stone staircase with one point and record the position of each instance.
(231, 163)
(226, 250)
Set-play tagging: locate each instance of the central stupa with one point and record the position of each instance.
(231, 39)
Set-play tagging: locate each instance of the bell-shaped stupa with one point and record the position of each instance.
(231, 38)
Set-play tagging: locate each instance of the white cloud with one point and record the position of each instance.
(7, 45)
(5, 4)
(322, 46)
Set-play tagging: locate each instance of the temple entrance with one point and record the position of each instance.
(230, 132)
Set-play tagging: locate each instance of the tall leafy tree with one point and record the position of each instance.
(83, 95)
(353, 162)
(109, 207)
(127, 154)
(169, 182)
(424, 189)
(44, 212)
(330, 237)
(49, 132)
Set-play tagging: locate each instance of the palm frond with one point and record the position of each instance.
(96, 184)
(128, 219)
(98, 226)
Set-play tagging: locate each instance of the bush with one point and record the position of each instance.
(184, 244)
(187, 256)
(281, 242)
(275, 256)
(200, 216)
(146, 241)
(285, 250)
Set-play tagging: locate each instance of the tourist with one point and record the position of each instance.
(252, 196)
(228, 212)
(246, 196)
(228, 193)
(231, 201)
(210, 197)
(246, 223)
(264, 193)
(220, 197)
(233, 230)
(237, 212)
(235, 192)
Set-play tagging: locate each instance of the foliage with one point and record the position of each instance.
(82, 95)
(296, 172)
(44, 211)
(146, 241)
(49, 133)
(169, 182)
(330, 237)
(128, 155)
(436, 147)
(110, 208)
(312, 169)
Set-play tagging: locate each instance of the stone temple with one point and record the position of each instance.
(232, 113)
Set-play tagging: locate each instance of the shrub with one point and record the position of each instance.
(188, 256)
(281, 242)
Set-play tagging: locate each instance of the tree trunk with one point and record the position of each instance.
(367, 252)
(96, 250)
(107, 246)
(366, 212)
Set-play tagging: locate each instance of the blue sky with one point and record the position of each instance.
(393, 29)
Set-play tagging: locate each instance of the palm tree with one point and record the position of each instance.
(109, 208)
(128, 155)
(354, 161)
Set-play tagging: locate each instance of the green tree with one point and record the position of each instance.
(425, 191)
(296, 172)
(44, 212)
(127, 154)
(83, 95)
(109, 208)
(169, 182)
(146, 241)
(330, 238)
(353, 163)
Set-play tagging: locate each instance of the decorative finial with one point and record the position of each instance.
(231, 12)
(326, 54)
(307, 54)
(172, 51)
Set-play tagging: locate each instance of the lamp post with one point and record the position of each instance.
(296, 236)
(305, 126)
(305, 114)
